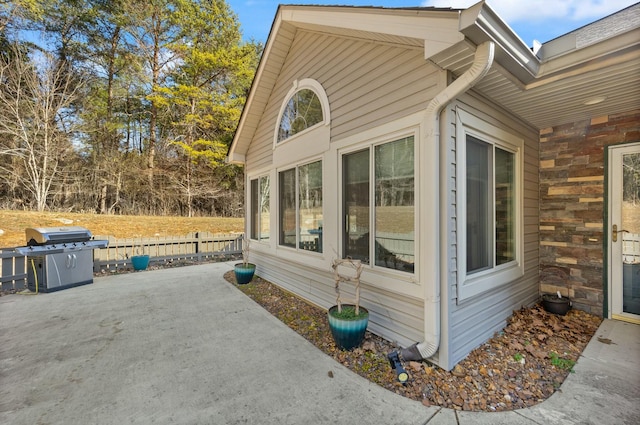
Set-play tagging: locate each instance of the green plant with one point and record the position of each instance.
(349, 313)
(562, 363)
(518, 357)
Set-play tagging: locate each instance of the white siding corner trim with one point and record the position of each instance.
(469, 285)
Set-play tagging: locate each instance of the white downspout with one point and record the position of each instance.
(482, 62)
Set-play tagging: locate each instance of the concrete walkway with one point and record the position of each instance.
(183, 346)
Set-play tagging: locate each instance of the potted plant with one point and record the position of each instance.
(244, 271)
(556, 303)
(348, 322)
(140, 261)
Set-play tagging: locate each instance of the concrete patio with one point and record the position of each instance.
(184, 346)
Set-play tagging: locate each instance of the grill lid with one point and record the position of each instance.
(32, 250)
(56, 235)
(52, 240)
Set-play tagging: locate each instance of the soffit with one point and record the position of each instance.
(563, 101)
(364, 35)
(557, 95)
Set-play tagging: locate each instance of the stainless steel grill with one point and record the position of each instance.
(59, 257)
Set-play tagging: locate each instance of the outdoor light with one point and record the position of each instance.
(394, 360)
(595, 100)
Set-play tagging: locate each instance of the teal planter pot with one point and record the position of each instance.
(244, 273)
(140, 262)
(348, 333)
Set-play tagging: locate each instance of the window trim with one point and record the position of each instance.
(469, 285)
(308, 84)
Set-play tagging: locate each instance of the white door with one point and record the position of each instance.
(624, 232)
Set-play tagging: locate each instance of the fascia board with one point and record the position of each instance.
(480, 23)
(234, 157)
(423, 25)
(595, 55)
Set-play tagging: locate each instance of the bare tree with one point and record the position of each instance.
(35, 124)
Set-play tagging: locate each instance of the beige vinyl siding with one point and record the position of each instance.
(367, 84)
(475, 320)
(398, 83)
(395, 317)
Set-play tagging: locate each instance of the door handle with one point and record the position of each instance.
(615, 231)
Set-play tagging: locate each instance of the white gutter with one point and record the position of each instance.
(482, 62)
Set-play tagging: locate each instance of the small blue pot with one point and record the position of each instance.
(244, 273)
(140, 262)
(348, 333)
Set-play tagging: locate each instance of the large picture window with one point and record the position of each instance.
(301, 207)
(379, 199)
(260, 189)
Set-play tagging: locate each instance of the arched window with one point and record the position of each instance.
(306, 106)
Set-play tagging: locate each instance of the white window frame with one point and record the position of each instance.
(296, 166)
(393, 281)
(371, 145)
(310, 142)
(469, 285)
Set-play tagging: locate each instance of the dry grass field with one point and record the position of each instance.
(13, 223)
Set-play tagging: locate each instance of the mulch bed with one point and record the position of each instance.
(519, 367)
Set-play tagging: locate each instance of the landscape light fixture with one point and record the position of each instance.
(396, 364)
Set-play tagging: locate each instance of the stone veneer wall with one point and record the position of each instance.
(572, 205)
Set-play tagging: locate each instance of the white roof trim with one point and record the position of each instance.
(418, 24)
(232, 156)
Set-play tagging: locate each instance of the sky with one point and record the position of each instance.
(541, 20)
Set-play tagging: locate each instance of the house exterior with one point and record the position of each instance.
(466, 170)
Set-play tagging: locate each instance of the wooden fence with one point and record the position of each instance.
(13, 270)
(194, 247)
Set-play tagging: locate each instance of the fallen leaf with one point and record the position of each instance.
(458, 371)
(369, 346)
(481, 380)
(416, 366)
(516, 346)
